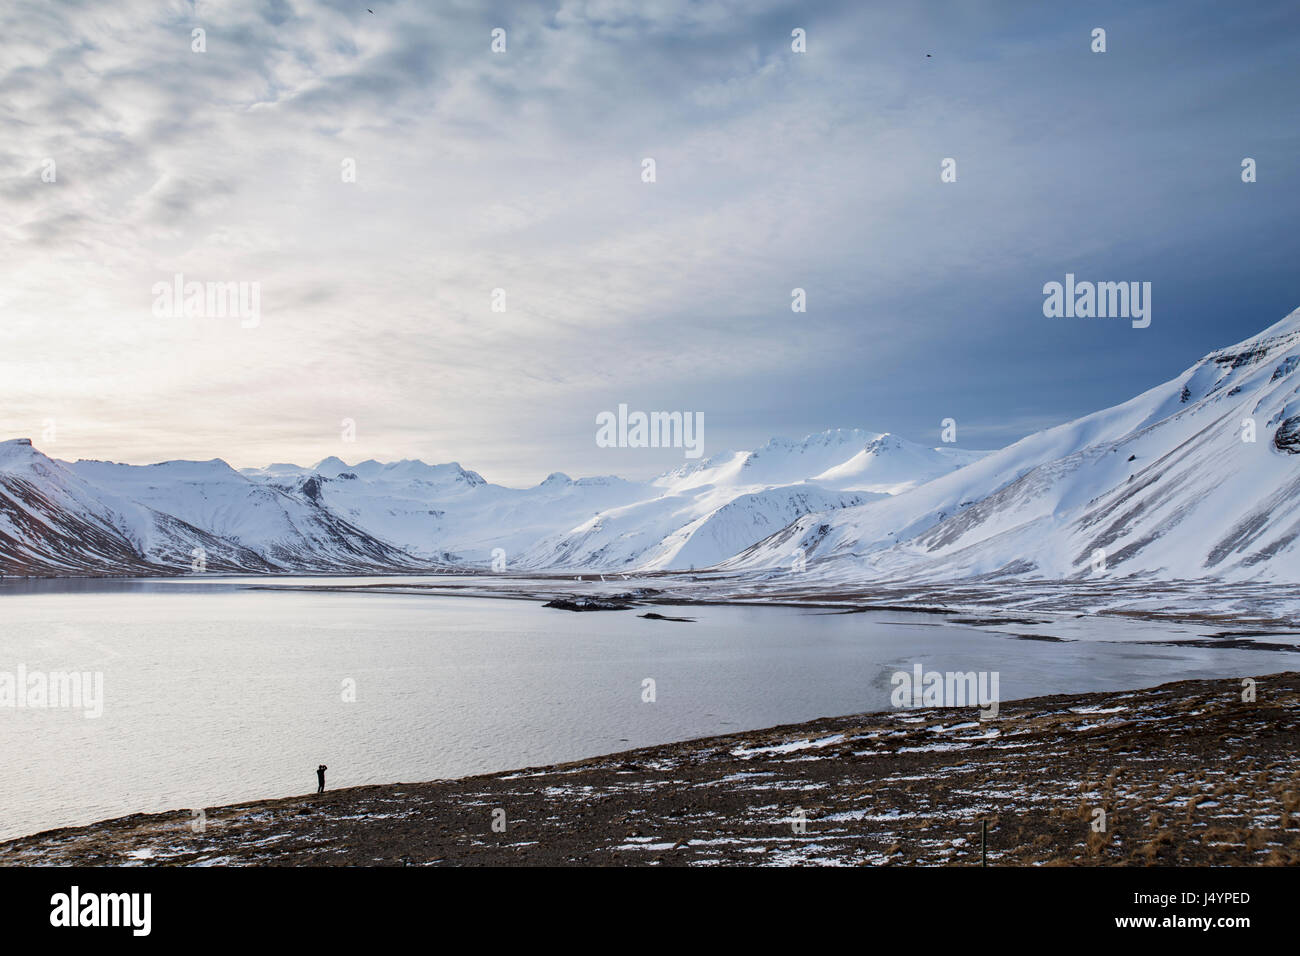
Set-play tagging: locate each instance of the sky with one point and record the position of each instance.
(128, 156)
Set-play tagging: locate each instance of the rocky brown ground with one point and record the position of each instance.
(1187, 773)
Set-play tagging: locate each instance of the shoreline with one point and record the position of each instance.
(1271, 608)
(988, 612)
(1187, 773)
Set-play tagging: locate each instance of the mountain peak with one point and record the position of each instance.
(884, 443)
(831, 437)
(17, 452)
(1279, 337)
(329, 467)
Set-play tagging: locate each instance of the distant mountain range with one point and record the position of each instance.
(95, 517)
(1195, 478)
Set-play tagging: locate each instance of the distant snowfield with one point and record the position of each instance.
(1198, 478)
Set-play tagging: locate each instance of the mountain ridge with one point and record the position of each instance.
(1197, 477)
(400, 516)
(1194, 478)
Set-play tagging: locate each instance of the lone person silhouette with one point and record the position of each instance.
(320, 778)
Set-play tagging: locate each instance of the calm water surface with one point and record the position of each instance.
(215, 693)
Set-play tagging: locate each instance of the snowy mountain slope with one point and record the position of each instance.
(891, 465)
(94, 517)
(50, 523)
(53, 522)
(104, 518)
(682, 531)
(446, 512)
(459, 516)
(1196, 478)
(712, 510)
(848, 459)
(286, 531)
(1163, 485)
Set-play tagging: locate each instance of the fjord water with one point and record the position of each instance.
(215, 692)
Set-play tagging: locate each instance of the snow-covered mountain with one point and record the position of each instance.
(709, 511)
(1195, 478)
(448, 514)
(95, 517)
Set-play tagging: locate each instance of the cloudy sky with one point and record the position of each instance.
(522, 171)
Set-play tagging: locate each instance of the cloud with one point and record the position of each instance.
(522, 171)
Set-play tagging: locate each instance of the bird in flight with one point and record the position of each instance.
(371, 12)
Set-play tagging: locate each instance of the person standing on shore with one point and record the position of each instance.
(320, 778)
